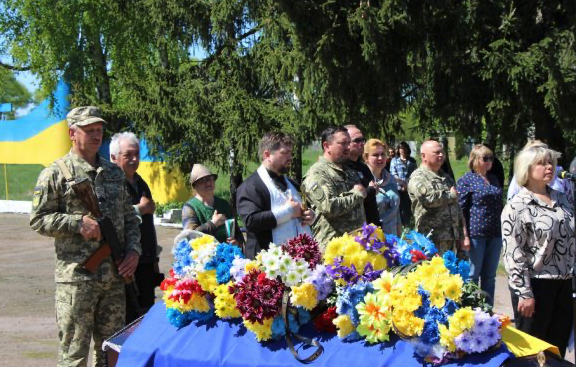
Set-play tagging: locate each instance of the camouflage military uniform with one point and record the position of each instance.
(339, 208)
(86, 304)
(435, 208)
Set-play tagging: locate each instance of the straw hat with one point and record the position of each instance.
(200, 171)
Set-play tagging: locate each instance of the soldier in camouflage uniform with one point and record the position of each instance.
(86, 304)
(435, 200)
(334, 191)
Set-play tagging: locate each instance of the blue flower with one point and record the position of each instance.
(182, 259)
(350, 297)
(222, 261)
(177, 318)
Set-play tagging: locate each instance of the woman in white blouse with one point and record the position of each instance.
(539, 245)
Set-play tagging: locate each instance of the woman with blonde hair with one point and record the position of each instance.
(481, 202)
(387, 197)
(557, 184)
(539, 245)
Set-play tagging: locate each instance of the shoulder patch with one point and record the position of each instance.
(37, 196)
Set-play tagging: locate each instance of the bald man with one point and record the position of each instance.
(435, 200)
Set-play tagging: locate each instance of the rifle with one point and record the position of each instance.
(110, 245)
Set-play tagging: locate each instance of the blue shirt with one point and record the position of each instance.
(388, 201)
(481, 204)
(402, 169)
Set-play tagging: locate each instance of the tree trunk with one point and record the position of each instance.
(296, 168)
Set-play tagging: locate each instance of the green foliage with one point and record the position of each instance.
(12, 91)
(483, 69)
(163, 208)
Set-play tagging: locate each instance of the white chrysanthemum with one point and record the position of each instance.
(301, 268)
(270, 262)
(292, 279)
(272, 273)
(274, 250)
(238, 268)
(286, 261)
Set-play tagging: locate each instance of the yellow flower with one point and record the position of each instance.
(305, 296)
(407, 323)
(207, 280)
(384, 284)
(200, 242)
(461, 320)
(446, 338)
(374, 309)
(437, 299)
(380, 234)
(224, 303)
(262, 331)
(453, 288)
(374, 332)
(344, 325)
(250, 266)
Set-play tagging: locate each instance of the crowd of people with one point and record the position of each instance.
(355, 181)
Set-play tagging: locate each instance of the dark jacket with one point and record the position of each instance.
(254, 207)
(148, 239)
(370, 206)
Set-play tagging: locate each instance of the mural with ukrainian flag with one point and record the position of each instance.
(34, 141)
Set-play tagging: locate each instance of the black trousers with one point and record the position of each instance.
(146, 279)
(552, 318)
(405, 208)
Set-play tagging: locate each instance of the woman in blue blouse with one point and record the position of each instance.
(387, 197)
(481, 203)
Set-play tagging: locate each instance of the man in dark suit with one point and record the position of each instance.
(269, 202)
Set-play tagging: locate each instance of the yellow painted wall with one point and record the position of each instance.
(165, 186)
(43, 148)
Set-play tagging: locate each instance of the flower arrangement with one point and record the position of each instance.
(210, 278)
(362, 295)
(350, 259)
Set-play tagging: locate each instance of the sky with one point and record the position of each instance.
(29, 80)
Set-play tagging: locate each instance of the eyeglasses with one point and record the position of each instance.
(488, 158)
(359, 140)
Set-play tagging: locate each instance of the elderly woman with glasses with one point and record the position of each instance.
(209, 214)
(539, 246)
(481, 202)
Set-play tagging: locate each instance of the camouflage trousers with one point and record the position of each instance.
(444, 246)
(85, 310)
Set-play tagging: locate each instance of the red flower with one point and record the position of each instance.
(304, 247)
(323, 322)
(185, 289)
(258, 297)
(417, 255)
(166, 283)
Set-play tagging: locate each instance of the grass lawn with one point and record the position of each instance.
(21, 181)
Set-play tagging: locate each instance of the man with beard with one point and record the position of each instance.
(334, 190)
(269, 202)
(125, 152)
(88, 305)
(357, 141)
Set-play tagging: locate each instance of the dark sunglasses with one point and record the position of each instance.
(359, 140)
(488, 158)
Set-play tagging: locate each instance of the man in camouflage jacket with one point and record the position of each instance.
(435, 200)
(86, 304)
(334, 191)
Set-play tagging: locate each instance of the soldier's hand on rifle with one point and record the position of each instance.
(89, 229)
(129, 264)
(146, 206)
(218, 219)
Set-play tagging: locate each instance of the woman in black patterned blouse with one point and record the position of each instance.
(539, 244)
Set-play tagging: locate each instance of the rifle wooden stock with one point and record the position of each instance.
(94, 261)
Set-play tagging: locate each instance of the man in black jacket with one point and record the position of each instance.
(125, 152)
(269, 202)
(357, 141)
